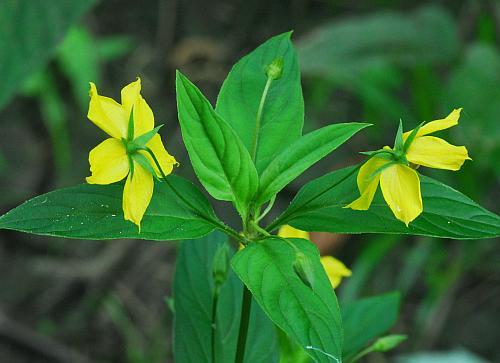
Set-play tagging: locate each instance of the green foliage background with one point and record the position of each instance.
(366, 61)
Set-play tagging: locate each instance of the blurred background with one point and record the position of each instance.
(365, 60)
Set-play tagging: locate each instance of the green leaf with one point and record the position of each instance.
(262, 343)
(54, 112)
(95, 212)
(368, 318)
(79, 62)
(219, 158)
(113, 47)
(310, 316)
(81, 56)
(283, 113)
(345, 50)
(291, 352)
(300, 155)
(29, 34)
(473, 85)
(193, 294)
(319, 206)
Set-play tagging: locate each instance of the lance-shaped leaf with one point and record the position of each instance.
(367, 319)
(308, 313)
(301, 154)
(319, 206)
(427, 35)
(30, 32)
(283, 110)
(178, 210)
(193, 302)
(219, 158)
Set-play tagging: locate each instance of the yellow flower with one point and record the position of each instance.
(434, 152)
(124, 155)
(335, 269)
(398, 180)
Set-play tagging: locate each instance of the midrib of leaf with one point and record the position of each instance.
(303, 209)
(425, 215)
(193, 209)
(278, 268)
(219, 121)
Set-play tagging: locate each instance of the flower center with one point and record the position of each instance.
(131, 146)
(400, 157)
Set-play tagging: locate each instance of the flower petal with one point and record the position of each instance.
(436, 153)
(144, 120)
(166, 160)
(400, 186)
(107, 114)
(130, 93)
(367, 183)
(108, 162)
(137, 194)
(143, 115)
(287, 231)
(335, 270)
(437, 125)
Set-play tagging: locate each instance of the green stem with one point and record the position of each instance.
(259, 117)
(268, 208)
(226, 229)
(259, 229)
(246, 305)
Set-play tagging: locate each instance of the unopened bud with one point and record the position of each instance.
(303, 268)
(275, 69)
(220, 264)
(388, 342)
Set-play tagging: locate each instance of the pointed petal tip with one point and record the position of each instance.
(92, 89)
(132, 220)
(407, 219)
(133, 89)
(455, 115)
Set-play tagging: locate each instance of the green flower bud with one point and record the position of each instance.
(388, 342)
(275, 69)
(303, 268)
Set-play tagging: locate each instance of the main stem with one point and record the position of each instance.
(250, 232)
(246, 305)
(250, 228)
